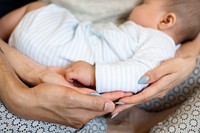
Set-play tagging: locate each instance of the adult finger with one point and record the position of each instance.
(156, 90)
(84, 90)
(124, 115)
(121, 108)
(113, 96)
(150, 92)
(93, 103)
(155, 74)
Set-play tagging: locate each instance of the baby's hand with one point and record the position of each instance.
(82, 72)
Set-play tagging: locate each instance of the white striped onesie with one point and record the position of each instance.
(52, 36)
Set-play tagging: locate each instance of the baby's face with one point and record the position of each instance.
(148, 14)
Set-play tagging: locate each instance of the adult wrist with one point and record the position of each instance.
(14, 94)
(33, 77)
(27, 69)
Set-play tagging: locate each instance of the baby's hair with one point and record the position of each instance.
(188, 17)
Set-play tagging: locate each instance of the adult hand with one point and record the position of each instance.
(167, 75)
(49, 102)
(55, 75)
(59, 104)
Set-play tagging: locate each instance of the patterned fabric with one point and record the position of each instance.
(185, 120)
(10, 123)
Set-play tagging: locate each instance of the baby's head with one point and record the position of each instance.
(178, 18)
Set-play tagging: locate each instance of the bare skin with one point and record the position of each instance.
(51, 99)
(136, 120)
(161, 78)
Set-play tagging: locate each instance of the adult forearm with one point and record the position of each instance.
(190, 49)
(20, 100)
(27, 69)
(12, 90)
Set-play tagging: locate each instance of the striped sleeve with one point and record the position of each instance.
(154, 48)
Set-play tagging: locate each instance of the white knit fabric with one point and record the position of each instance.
(52, 36)
(99, 12)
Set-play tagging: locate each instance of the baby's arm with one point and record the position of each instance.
(82, 72)
(10, 21)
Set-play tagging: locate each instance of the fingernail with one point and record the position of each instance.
(113, 116)
(119, 103)
(94, 94)
(143, 79)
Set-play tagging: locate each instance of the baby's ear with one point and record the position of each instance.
(167, 21)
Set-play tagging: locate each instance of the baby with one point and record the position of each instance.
(113, 58)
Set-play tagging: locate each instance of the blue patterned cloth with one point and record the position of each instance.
(10, 123)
